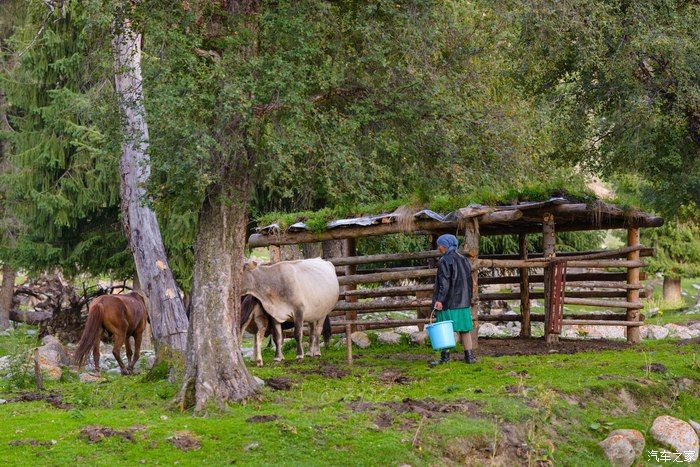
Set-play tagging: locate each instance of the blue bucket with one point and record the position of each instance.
(442, 335)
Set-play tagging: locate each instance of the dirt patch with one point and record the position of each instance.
(394, 376)
(262, 418)
(96, 433)
(51, 398)
(327, 370)
(279, 384)
(384, 420)
(30, 442)
(185, 441)
(429, 408)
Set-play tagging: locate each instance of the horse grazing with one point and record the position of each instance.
(123, 316)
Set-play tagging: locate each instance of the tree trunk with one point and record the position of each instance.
(215, 369)
(6, 294)
(167, 313)
(672, 290)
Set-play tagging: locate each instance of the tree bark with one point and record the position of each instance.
(215, 369)
(167, 313)
(672, 290)
(6, 294)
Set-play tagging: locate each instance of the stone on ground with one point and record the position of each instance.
(695, 425)
(618, 450)
(655, 332)
(90, 378)
(419, 338)
(52, 355)
(695, 326)
(360, 339)
(407, 329)
(389, 337)
(635, 438)
(489, 330)
(677, 435)
(676, 331)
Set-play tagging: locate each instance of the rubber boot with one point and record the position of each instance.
(469, 356)
(444, 358)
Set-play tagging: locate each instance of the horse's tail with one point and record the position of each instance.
(93, 327)
(248, 303)
(327, 331)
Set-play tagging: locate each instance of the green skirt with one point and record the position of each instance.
(461, 318)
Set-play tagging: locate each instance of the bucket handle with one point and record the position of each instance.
(432, 313)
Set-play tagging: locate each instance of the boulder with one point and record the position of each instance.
(90, 378)
(53, 351)
(677, 435)
(389, 337)
(360, 339)
(677, 331)
(695, 425)
(419, 338)
(407, 329)
(618, 450)
(489, 330)
(635, 438)
(695, 326)
(259, 381)
(4, 363)
(655, 332)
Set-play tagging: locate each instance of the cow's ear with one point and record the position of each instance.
(250, 265)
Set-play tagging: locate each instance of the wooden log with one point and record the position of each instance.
(581, 225)
(383, 305)
(548, 242)
(379, 270)
(593, 322)
(525, 329)
(384, 258)
(349, 249)
(540, 295)
(633, 336)
(348, 342)
(30, 317)
(603, 303)
(539, 317)
(386, 276)
(38, 377)
(595, 263)
(643, 252)
(471, 251)
(383, 322)
(420, 226)
(570, 277)
(608, 285)
(388, 291)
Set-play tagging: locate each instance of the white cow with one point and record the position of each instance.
(298, 291)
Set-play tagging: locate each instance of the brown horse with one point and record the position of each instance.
(123, 316)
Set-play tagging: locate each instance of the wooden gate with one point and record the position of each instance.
(555, 308)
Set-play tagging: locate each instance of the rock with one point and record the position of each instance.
(247, 352)
(489, 330)
(89, 378)
(635, 438)
(695, 425)
(677, 435)
(114, 371)
(695, 326)
(4, 333)
(259, 381)
(31, 332)
(360, 339)
(389, 337)
(407, 329)
(4, 363)
(52, 355)
(3, 401)
(618, 450)
(419, 338)
(52, 343)
(655, 332)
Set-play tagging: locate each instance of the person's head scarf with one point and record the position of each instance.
(449, 241)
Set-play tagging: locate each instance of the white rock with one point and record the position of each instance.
(694, 332)
(618, 450)
(389, 337)
(695, 425)
(114, 371)
(655, 332)
(677, 435)
(89, 378)
(3, 401)
(677, 331)
(52, 352)
(259, 381)
(695, 326)
(407, 329)
(31, 332)
(4, 362)
(635, 437)
(489, 330)
(360, 339)
(419, 338)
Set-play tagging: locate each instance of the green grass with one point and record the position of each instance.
(561, 405)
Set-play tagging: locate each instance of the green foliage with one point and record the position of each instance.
(622, 80)
(677, 245)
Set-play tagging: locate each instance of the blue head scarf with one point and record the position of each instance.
(449, 241)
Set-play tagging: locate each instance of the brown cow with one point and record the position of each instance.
(123, 316)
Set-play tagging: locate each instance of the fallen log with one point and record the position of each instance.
(30, 317)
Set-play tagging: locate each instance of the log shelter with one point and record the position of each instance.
(602, 279)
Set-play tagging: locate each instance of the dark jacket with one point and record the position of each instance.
(453, 284)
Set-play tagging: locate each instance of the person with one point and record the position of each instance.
(452, 295)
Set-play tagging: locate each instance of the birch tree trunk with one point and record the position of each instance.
(6, 294)
(167, 313)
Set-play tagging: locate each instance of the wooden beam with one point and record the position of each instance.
(382, 305)
(595, 263)
(259, 240)
(349, 250)
(388, 291)
(386, 276)
(548, 242)
(525, 329)
(633, 336)
(383, 258)
(593, 322)
(572, 277)
(603, 303)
